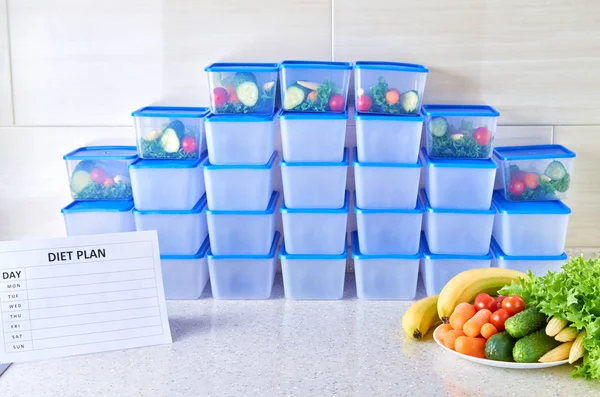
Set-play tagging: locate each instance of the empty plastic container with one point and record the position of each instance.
(239, 276)
(242, 87)
(239, 187)
(459, 184)
(310, 137)
(165, 132)
(248, 232)
(98, 217)
(315, 231)
(530, 228)
(315, 86)
(240, 139)
(167, 184)
(386, 185)
(538, 264)
(536, 173)
(185, 276)
(389, 87)
(457, 231)
(180, 232)
(385, 276)
(313, 276)
(460, 131)
(314, 185)
(100, 172)
(438, 269)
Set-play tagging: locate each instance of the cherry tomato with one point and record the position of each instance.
(516, 187)
(189, 144)
(498, 318)
(220, 96)
(98, 175)
(483, 136)
(532, 180)
(337, 103)
(513, 304)
(108, 182)
(499, 302)
(392, 96)
(364, 103)
(484, 301)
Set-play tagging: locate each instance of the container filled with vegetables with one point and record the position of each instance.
(315, 86)
(389, 87)
(460, 131)
(243, 276)
(100, 172)
(538, 264)
(185, 276)
(98, 217)
(165, 132)
(537, 172)
(242, 87)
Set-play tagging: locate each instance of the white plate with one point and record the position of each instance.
(499, 364)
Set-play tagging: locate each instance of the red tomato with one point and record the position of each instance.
(108, 182)
(498, 318)
(189, 144)
(220, 96)
(392, 96)
(483, 136)
(532, 180)
(499, 302)
(337, 103)
(513, 304)
(484, 301)
(516, 187)
(364, 103)
(98, 175)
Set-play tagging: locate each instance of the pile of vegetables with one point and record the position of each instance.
(530, 186)
(239, 93)
(458, 141)
(101, 180)
(382, 99)
(173, 141)
(305, 96)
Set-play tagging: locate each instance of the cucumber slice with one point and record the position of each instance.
(170, 141)
(247, 93)
(294, 96)
(438, 126)
(409, 101)
(79, 181)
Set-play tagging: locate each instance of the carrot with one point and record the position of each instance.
(451, 337)
(473, 326)
(443, 330)
(488, 330)
(470, 346)
(312, 96)
(462, 313)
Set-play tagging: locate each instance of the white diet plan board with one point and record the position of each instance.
(78, 295)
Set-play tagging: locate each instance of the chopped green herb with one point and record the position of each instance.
(321, 102)
(95, 191)
(465, 147)
(154, 150)
(380, 103)
(264, 104)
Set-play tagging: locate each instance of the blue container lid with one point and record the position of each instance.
(103, 153)
(357, 163)
(397, 66)
(171, 112)
(419, 209)
(198, 208)
(270, 208)
(240, 118)
(270, 255)
(99, 206)
(533, 152)
(316, 65)
(241, 67)
(504, 206)
(198, 255)
(499, 254)
(344, 210)
(458, 163)
(429, 255)
(460, 110)
(344, 163)
(401, 118)
(287, 115)
(154, 163)
(423, 197)
(269, 165)
(356, 254)
(284, 255)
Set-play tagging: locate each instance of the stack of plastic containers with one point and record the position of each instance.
(168, 192)
(241, 203)
(387, 171)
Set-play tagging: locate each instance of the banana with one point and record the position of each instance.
(417, 320)
(465, 286)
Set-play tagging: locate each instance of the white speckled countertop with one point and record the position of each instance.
(284, 348)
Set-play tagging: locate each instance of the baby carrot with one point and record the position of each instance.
(470, 346)
(473, 326)
(488, 330)
(451, 337)
(442, 331)
(462, 313)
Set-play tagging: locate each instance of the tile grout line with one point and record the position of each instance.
(10, 68)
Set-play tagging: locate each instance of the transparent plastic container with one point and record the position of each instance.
(385, 276)
(438, 269)
(98, 217)
(313, 276)
(389, 87)
(239, 276)
(530, 228)
(167, 184)
(315, 86)
(386, 185)
(459, 184)
(315, 231)
(240, 139)
(185, 276)
(100, 172)
(388, 139)
(239, 187)
(180, 232)
(314, 185)
(452, 231)
(538, 264)
(313, 137)
(460, 131)
(242, 87)
(536, 173)
(389, 231)
(165, 132)
(247, 232)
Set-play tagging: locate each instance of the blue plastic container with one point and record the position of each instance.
(315, 86)
(538, 264)
(385, 276)
(242, 87)
(389, 87)
(239, 276)
(313, 276)
(185, 276)
(98, 217)
(313, 137)
(180, 232)
(438, 269)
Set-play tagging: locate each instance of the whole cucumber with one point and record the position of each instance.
(525, 322)
(533, 346)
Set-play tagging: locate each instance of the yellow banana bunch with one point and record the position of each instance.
(417, 320)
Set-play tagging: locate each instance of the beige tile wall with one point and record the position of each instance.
(71, 71)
